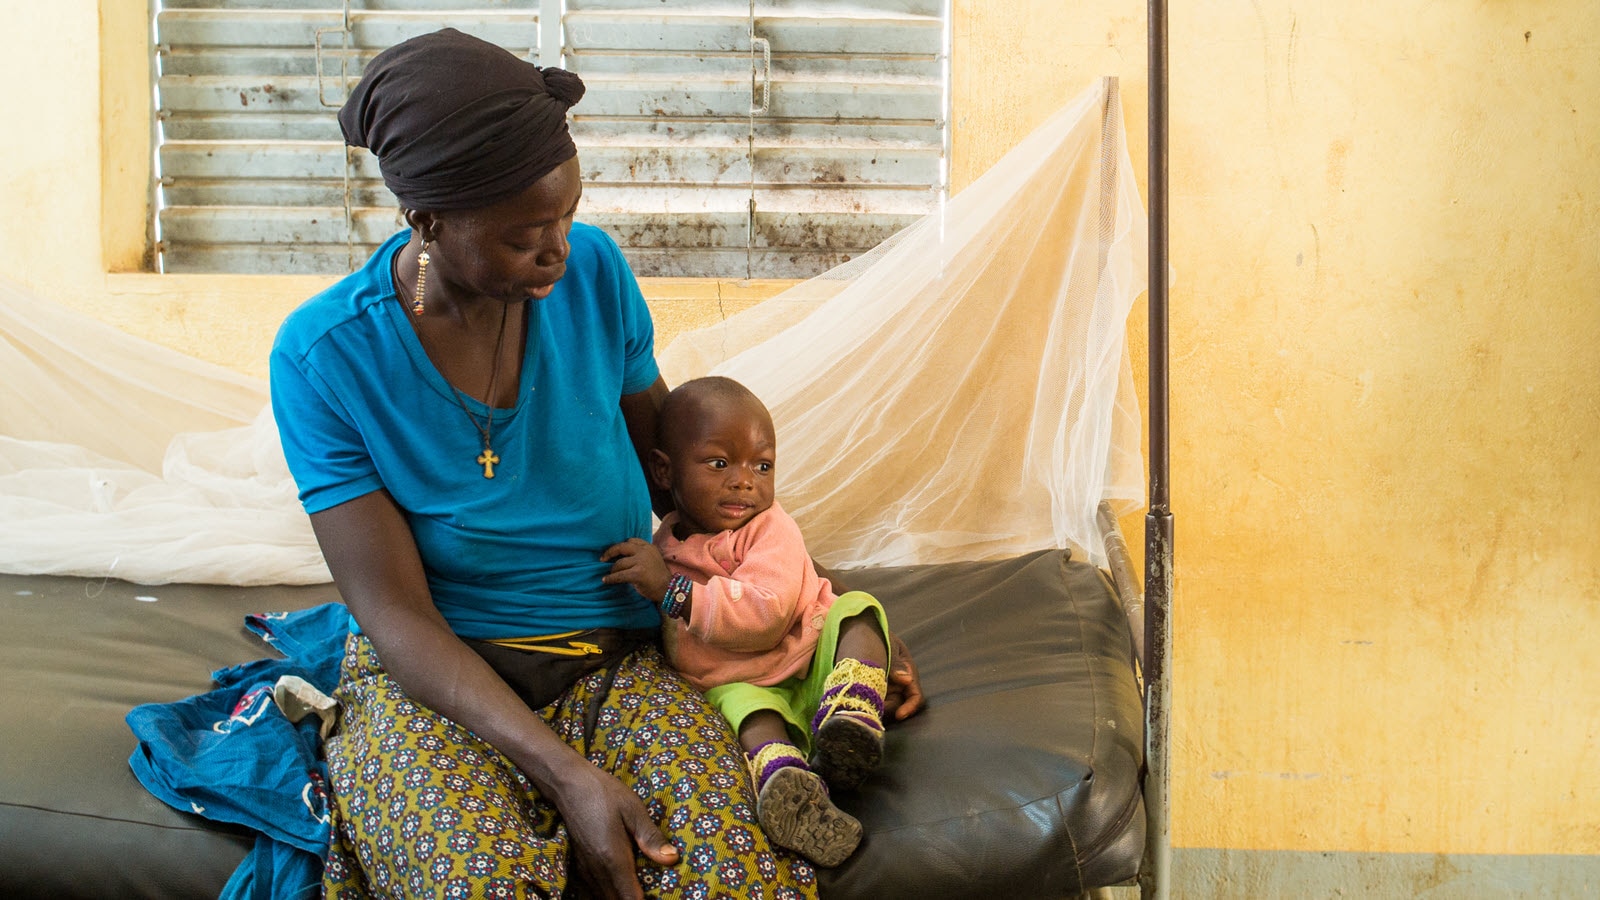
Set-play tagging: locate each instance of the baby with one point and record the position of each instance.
(798, 671)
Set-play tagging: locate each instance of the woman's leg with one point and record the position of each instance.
(422, 807)
(660, 736)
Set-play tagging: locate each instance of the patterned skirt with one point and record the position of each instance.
(424, 808)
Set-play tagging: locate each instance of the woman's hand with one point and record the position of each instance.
(905, 686)
(639, 563)
(374, 561)
(605, 822)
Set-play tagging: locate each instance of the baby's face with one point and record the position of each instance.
(723, 470)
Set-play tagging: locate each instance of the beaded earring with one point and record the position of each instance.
(422, 280)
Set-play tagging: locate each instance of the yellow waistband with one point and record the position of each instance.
(548, 643)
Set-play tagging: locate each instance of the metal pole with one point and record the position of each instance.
(1156, 873)
(157, 197)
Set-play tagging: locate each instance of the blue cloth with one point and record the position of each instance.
(274, 870)
(360, 407)
(311, 639)
(230, 755)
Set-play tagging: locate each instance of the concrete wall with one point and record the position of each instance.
(1386, 402)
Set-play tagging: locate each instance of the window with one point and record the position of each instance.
(719, 138)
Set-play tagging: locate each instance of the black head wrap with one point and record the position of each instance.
(460, 123)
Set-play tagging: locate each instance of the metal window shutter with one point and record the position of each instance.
(253, 170)
(845, 145)
(255, 178)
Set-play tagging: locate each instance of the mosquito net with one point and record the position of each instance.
(961, 392)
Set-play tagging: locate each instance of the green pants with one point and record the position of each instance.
(797, 698)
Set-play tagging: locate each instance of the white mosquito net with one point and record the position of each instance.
(961, 392)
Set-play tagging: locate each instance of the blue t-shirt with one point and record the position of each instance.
(360, 407)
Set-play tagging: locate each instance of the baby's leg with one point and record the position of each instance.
(847, 728)
(791, 801)
(861, 638)
(762, 727)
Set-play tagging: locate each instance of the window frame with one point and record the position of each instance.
(365, 224)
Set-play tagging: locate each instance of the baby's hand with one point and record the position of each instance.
(639, 563)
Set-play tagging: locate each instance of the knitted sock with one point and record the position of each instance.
(767, 759)
(794, 810)
(847, 731)
(855, 689)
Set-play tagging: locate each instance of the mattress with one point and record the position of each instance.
(1021, 776)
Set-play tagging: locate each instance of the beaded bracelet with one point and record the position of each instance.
(679, 589)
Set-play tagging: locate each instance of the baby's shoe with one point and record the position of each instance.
(793, 807)
(847, 731)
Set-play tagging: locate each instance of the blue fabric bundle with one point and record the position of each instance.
(232, 756)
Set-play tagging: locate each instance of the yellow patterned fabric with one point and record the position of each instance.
(424, 808)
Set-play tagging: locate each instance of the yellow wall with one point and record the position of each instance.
(1386, 402)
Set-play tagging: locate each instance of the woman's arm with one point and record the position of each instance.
(375, 564)
(640, 411)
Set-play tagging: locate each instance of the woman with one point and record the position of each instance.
(465, 418)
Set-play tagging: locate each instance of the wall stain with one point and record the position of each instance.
(1289, 55)
(1483, 359)
(1226, 774)
(1316, 253)
(1480, 575)
(1442, 873)
(1338, 158)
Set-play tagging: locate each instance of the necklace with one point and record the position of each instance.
(488, 458)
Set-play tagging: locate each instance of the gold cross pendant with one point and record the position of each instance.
(487, 459)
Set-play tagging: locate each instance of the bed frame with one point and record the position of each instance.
(1155, 654)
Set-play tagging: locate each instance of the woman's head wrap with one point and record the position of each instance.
(460, 123)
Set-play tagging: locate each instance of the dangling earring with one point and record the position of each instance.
(422, 280)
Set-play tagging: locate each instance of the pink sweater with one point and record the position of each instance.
(758, 604)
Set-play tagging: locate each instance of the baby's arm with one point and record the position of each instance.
(752, 609)
(749, 611)
(637, 562)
